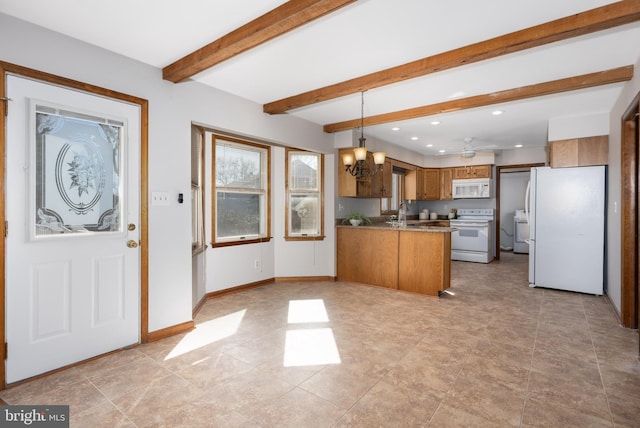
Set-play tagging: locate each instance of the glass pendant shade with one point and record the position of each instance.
(347, 159)
(378, 158)
(361, 153)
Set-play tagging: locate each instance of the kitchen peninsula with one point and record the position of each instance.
(414, 258)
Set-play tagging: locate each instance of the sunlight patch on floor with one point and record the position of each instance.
(208, 332)
(307, 311)
(310, 347)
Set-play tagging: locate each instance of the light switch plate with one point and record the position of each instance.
(159, 198)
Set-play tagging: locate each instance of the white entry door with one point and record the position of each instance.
(72, 256)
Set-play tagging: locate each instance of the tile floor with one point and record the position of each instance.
(493, 353)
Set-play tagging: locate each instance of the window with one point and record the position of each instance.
(392, 204)
(305, 201)
(197, 194)
(241, 192)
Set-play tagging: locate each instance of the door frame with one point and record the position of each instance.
(8, 68)
(630, 245)
(499, 169)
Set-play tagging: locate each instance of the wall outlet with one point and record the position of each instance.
(159, 198)
(256, 264)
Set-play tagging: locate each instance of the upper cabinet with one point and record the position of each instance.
(422, 184)
(472, 171)
(382, 182)
(446, 175)
(579, 152)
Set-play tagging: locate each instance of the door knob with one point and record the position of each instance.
(132, 244)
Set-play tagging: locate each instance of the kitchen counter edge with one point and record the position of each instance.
(408, 228)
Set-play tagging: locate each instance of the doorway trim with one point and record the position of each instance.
(629, 252)
(499, 169)
(8, 68)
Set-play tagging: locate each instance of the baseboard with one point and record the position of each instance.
(304, 278)
(249, 286)
(613, 308)
(199, 306)
(171, 331)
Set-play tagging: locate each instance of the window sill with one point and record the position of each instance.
(240, 242)
(304, 238)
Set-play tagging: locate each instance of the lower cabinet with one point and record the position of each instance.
(400, 259)
(416, 271)
(368, 256)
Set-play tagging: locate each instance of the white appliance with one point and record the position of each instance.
(520, 233)
(473, 241)
(566, 221)
(471, 188)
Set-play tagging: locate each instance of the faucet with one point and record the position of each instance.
(402, 215)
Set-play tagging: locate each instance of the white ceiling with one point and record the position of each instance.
(364, 37)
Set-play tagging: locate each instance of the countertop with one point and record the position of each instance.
(412, 226)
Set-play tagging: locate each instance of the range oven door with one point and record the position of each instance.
(470, 236)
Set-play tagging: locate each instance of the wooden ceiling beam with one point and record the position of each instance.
(286, 17)
(609, 16)
(615, 75)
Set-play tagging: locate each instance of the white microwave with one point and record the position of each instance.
(471, 188)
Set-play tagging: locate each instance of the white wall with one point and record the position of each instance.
(172, 109)
(522, 156)
(614, 181)
(565, 128)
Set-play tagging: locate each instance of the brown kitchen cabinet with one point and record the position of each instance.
(472, 171)
(415, 261)
(446, 175)
(413, 251)
(382, 182)
(360, 261)
(422, 184)
(586, 151)
(347, 184)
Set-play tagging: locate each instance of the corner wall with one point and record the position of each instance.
(172, 109)
(614, 189)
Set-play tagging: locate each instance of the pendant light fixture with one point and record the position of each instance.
(362, 168)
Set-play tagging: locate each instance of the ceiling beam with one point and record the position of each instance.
(615, 75)
(286, 17)
(609, 16)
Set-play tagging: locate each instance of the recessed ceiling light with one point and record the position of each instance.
(518, 145)
(414, 138)
(395, 128)
(497, 112)
(435, 122)
(429, 145)
(442, 151)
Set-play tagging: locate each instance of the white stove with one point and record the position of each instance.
(474, 240)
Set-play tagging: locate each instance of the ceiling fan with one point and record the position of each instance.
(469, 151)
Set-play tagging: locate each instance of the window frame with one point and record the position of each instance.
(398, 189)
(266, 189)
(197, 190)
(289, 193)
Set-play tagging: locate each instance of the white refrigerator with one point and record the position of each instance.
(566, 213)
